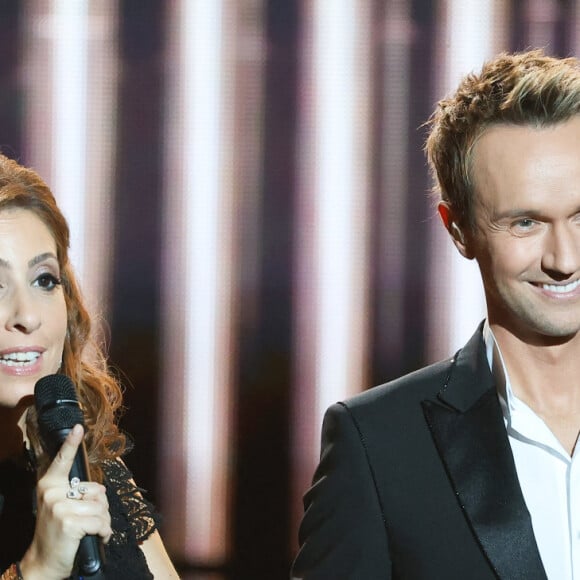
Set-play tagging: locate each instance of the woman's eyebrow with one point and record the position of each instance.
(40, 258)
(33, 262)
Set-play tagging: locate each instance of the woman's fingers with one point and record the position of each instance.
(62, 463)
(78, 518)
(89, 490)
(66, 512)
(81, 506)
(91, 502)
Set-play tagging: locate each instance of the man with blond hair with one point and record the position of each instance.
(468, 469)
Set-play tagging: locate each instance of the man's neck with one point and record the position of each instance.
(547, 379)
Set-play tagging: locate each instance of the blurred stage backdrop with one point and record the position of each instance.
(248, 198)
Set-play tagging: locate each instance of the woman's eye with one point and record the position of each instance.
(47, 282)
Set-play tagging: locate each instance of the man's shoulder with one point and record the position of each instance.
(392, 411)
(413, 387)
(427, 382)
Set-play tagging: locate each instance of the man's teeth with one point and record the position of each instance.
(13, 359)
(561, 289)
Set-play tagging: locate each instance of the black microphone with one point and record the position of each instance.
(58, 411)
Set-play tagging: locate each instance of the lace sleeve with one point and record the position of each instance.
(139, 512)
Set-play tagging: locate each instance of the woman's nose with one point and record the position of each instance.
(23, 314)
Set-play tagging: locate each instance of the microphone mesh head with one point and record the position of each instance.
(53, 388)
(57, 404)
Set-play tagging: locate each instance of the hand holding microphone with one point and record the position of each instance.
(72, 513)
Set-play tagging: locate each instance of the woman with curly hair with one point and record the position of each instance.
(45, 329)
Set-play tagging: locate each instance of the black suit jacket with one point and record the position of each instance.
(417, 481)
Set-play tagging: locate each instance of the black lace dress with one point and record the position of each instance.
(132, 517)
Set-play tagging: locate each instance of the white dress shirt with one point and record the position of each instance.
(548, 476)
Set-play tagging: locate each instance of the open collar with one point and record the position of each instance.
(468, 430)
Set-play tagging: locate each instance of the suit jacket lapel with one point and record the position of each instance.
(468, 429)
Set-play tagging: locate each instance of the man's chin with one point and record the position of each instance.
(551, 334)
(539, 332)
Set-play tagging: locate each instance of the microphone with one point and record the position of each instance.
(58, 412)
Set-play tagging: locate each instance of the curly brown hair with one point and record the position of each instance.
(528, 88)
(83, 360)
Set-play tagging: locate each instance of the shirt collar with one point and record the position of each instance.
(499, 371)
(519, 418)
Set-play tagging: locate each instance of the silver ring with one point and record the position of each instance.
(76, 490)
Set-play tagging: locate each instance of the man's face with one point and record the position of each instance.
(527, 234)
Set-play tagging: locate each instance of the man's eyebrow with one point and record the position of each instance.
(518, 212)
(523, 212)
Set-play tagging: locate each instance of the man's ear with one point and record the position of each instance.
(459, 238)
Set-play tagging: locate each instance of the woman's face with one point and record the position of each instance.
(33, 317)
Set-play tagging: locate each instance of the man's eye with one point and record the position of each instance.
(524, 223)
(47, 282)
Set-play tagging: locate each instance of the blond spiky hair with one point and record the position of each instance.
(528, 88)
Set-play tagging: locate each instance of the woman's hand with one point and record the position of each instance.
(61, 521)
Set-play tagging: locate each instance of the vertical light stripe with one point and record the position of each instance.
(199, 285)
(69, 64)
(70, 28)
(100, 147)
(470, 32)
(331, 336)
(341, 187)
(337, 192)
